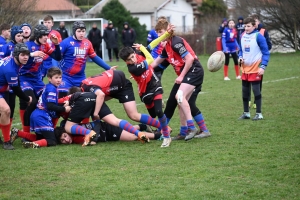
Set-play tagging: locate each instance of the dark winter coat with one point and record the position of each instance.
(110, 37)
(63, 32)
(128, 37)
(95, 37)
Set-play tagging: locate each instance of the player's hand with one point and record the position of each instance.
(178, 80)
(163, 43)
(261, 71)
(96, 117)
(66, 103)
(30, 100)
(170, 28)
(137, 46)
(54, 39)
(131, 77)
(241, 61)
(114, 67)
(38, 54)
(68, 109)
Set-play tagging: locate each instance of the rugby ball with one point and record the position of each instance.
(216, 61)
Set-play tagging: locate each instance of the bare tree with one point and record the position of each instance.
(16, 12)
(281, 18)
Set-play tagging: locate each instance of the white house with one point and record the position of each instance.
(182, 13)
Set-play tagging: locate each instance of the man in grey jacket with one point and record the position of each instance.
(110, 37)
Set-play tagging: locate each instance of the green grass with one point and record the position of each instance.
(242, 159)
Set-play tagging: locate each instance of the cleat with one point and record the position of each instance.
(254, 106)
(238, 77)
(8, 146)
(32, 145)
(179, 137)
(226, 78)
(13, 134)
(88, 138)
(202, 134)
(143, 138)
(245, 115)
(166, 142)
(258, 116)
(191, 134)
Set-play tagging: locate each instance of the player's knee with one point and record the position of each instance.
(159, 113)
(179, 96)
(6, 111)
(133, 116)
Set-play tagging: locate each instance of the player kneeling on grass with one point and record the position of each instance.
(9, 68)
(47, 109)
(104, 133)
(149, 86)
(254, 57)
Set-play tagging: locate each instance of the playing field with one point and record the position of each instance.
(242, 159)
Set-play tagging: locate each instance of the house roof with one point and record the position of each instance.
(55, 5)
(136, 6)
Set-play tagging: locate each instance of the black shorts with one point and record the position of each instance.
(195, 75)
(106, 132)
(126, 94)
(84, 107)
(148, 97)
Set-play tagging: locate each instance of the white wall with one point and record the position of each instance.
(144, 19)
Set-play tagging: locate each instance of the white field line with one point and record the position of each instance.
(264, 82)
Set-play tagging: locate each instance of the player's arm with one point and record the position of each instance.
(12, 78)
(149, 58)
(64, 99)
(100, 62)
(99, 101)
(56, 54)
(167, 34)
(262, 43)
(159, 59)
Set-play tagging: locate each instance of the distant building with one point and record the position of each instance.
(183, 13)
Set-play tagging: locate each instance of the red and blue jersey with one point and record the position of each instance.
(7, 49)
(74, 56)
(32, 67)
(50, 95)
(2, 41)
(229, 40)
(8, 73)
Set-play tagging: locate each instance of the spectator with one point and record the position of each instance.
(240, 27)
(96, 39)
(223, 25)
(62, 30)
(128, 35)
(110, 37)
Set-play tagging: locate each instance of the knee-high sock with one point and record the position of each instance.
(146, 119)
(225, 70)
(190, 124)
(201, 123)
(128, 127)
(41, 143)
(27, 135)
(79, 130)
(164, 126)
(183, 130)
(237, 70)
(6, 132)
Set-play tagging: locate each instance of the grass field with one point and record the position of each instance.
(242, 159)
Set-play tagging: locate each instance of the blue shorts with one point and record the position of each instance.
(40, 120)
(37, 85)
(68, 82)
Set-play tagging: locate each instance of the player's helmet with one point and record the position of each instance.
(20, 48)
(39, 31)
(78, 25)
(14, 31)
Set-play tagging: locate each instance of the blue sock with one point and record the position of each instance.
(146, 119)
(190, 124)
(201, 123)
(79, 130)
(164, 126)
(183, 130)
(128, 127)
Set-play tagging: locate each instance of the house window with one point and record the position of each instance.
(169, 19)
(183, 23)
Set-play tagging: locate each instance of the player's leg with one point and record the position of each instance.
(236, 66)
(245, 98)
(226, 78)
(5, 123)
(258, 99)
(109, 54)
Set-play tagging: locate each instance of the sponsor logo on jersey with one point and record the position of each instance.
(114, 88)
(182, 50)
(14, 78)
(72, 43)
(79, 52)
(177, 46)
(52, 94)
